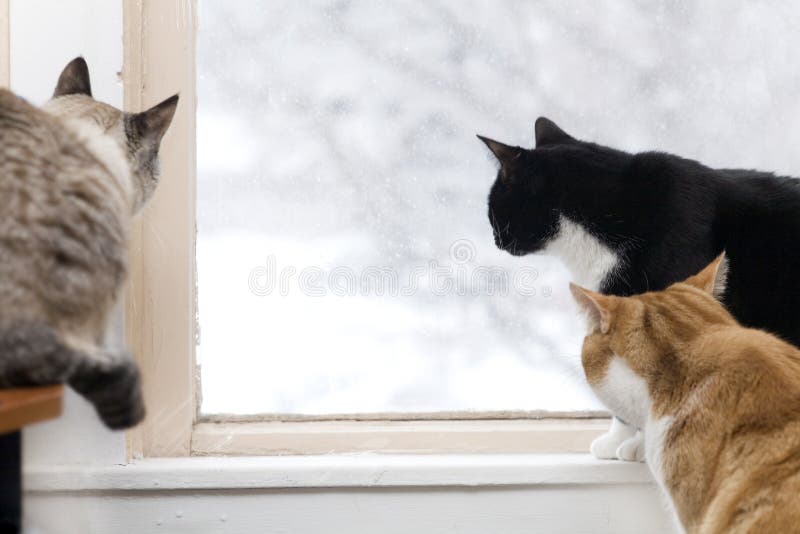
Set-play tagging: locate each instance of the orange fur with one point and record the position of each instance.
(723, 399)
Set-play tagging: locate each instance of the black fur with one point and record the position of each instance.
(666, 217)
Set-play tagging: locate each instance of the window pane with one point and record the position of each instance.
(343, 240)
(337, 140)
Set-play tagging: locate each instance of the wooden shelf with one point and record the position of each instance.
(24, 406)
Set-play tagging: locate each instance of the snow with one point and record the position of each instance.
(335, 137)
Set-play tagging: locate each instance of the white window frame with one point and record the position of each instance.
(159, 59)
(5, 45)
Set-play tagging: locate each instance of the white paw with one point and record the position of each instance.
(605, 447)
(632, 449)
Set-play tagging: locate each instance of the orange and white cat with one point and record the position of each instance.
(719, 404)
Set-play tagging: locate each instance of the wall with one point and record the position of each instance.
(589, 509)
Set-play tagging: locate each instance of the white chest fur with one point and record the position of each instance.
(589, 260)
(655, 434)
(625, 393)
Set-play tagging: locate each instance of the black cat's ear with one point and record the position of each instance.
(74, 79)
(547, 132)
(153, 123)
(505, 154)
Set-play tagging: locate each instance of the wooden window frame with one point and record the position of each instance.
(5, 45)
(158, 50)
(159, 59)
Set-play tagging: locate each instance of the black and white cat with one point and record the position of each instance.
(628, 223)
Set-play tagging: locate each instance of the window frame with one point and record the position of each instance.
(158, 60)
(5, 44)
(159, 42)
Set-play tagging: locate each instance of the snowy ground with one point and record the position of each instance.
(336, 137)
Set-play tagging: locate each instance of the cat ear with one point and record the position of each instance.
(713, 278)
(507, 155)
(598, 307)
(74, 79)
(547, 132)
(152, 124)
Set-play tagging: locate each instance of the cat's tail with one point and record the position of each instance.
(33, 354)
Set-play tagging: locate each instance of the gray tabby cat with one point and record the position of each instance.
(71, 176)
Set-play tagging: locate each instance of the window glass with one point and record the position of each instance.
(345, 259)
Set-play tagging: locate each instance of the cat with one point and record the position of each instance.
(71, 176)
(627, 223)
(719, 403)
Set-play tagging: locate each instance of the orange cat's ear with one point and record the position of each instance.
(596, 306)
(712, 279)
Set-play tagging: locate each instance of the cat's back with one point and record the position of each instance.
(746, 355)
(757, 375)
(62, 234)
(757, 486)
(27, 133)
(38, 153)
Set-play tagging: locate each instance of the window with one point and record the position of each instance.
(345, 260)
(336, 139)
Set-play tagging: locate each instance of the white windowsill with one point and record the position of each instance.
(336, 471)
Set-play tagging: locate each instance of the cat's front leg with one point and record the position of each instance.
(110, 380)
(605, 447)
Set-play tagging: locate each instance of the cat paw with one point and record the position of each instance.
(632, 449)
(605, 447)
(115, 390)
(121, 405)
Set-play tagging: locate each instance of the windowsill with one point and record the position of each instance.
(444, 437)
(337, 471)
